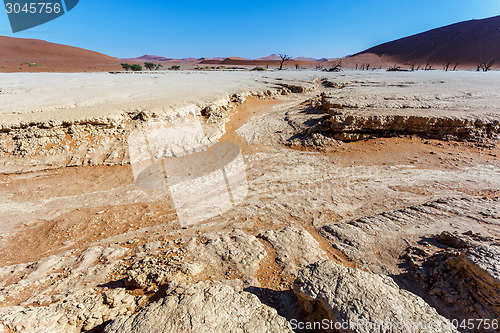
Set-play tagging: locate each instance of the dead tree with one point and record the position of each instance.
(394, 68)
(367, 67)
(337, 67)
(284, 58)
(486, 65)
(455, 67)
(413, 66)
(447, 66)
(428, 67)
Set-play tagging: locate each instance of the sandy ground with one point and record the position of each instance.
(79, 97)
(53, 215)
(69, 199)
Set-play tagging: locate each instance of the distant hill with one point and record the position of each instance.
(274, 57)
(155, 58)
(270, 61)
(305, 59)
(466, 43)
(263, 62)
(269, 58)
(50, 57)
(148, 57)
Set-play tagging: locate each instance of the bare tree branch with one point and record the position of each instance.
(485, 65)
(284, 58)
(336, 67)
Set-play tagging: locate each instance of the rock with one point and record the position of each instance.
(452, 240)
(216, 112)
(382, 110)
(327, 290)
(234, 251)
(351, 126)
(79, 313)
(467, 279)
(316, 139)
(487, 257)
(220, 253)
(203, 308)
(55, 275)
(376, 240)
(330, 84)
(152, 270)
(53, 144)
(298, 88)
(294, 248)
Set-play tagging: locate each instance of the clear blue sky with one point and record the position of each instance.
(316, 28)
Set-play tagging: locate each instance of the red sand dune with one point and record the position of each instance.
(466, 43)
(148, 57)
(240, 62)
(236, 58)
(52, 57)
(305, 59)
(269, 58)
(276, 57)
(159, 59)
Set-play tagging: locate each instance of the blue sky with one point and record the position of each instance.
(248, 29)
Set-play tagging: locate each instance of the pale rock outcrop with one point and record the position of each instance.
(217, 254)
(396, 109)
(233, 251)
(373, 240)
(465, 276)
(294, 248)
(203, 308)
(80, 313)
(328, 290)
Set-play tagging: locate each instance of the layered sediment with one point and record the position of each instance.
(332, 229)
(406, 108)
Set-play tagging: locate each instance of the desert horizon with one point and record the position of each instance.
(411, 52)
(261, 191)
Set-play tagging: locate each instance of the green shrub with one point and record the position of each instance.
(32, 64)
(149, 66)
(174, 68)
(258, 68)
(136, 67)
